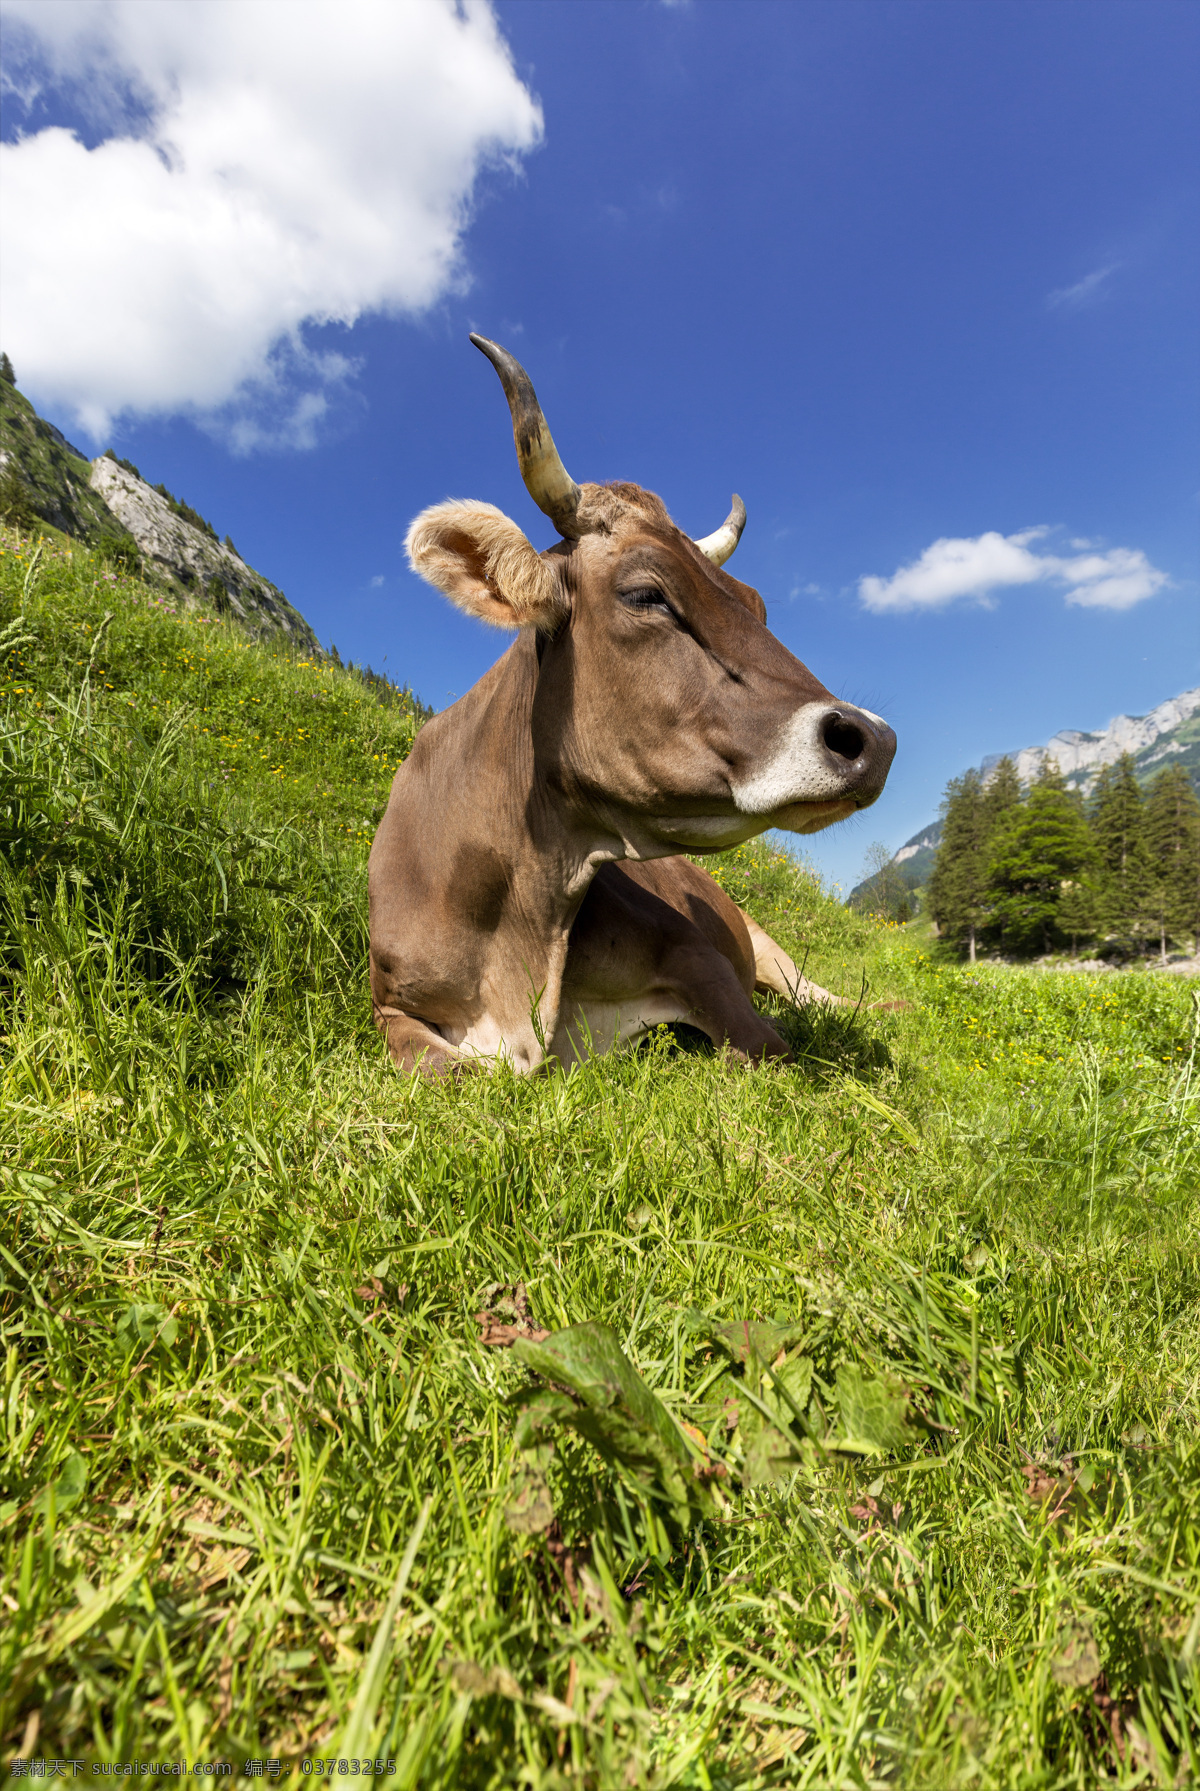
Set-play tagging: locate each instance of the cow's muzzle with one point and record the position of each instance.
(825, 753)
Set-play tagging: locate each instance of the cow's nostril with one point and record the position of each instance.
(843, 737)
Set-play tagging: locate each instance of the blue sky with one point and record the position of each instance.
(919, 281)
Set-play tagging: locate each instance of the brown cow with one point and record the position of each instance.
(526, 898)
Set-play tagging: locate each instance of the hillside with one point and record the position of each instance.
(107, 505)
(276, 741)
(44, 478)
(915, 857)
(902, 1390)
(1169, 734)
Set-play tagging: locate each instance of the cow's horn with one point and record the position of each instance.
(718, 546)
(549, 483)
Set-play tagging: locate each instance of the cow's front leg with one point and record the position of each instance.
(416, 1046)
(711, 997)
(636, 960)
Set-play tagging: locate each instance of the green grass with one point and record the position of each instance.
(257, 1459)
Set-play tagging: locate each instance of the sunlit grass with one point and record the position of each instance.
(257, 1460)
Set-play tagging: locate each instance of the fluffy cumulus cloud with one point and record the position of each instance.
(977, 567)
(241, 169)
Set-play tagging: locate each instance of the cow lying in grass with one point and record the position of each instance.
(526, 896)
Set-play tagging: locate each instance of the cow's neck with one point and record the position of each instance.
(550, 856)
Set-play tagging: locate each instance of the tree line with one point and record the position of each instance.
(1037, 870)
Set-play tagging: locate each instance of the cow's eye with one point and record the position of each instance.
(645, 597)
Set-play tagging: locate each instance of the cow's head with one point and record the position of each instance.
(664, 704)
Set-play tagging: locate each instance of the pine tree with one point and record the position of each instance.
(1039, 848)
(1078, 909)
(1172, 832)
(1002, 791)
(6, 371)
(957, 886)
(1128, 903)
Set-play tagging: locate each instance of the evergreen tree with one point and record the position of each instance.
(6, 371)
(1039, 848)
(1128, 904)
(957, 886)
(1172, 833)
(1002, 791)
(1078, 909)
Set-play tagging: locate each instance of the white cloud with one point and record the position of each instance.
(1072, 298)
(951, 569)
(1114, 580)
(976, 567)
(256, 167)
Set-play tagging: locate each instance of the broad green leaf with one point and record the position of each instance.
(769, 1453)
(874, 1413)
(70, 1484)
(72, 1481)
(541, 1414)
(723, 1402)
(787, 1389)
(615, 1410)
(147, 1322)
(744, 1338)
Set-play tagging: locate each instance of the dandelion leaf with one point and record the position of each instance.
(743, 1338)
(874, 1413)
(598, 1393)
(768, 1454)
(542, 1412)
(69, 1486)
(787, 1389)
(1077, 1658)
(147, 1322)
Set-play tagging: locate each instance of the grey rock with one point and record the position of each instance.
(204, 572)
(1080, 755)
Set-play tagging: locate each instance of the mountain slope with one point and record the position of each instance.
(1169, 732)
(915, 857)
(106, 504)
(45, 478)
(192, 559)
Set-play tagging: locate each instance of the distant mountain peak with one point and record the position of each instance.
(924, 841)
(1080, 756)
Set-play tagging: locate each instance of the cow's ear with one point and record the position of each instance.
(483, 563)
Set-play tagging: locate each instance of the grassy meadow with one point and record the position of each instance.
(278, 1483)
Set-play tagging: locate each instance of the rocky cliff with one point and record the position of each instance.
(203, 569)
(106, 504)
(1172, 731)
